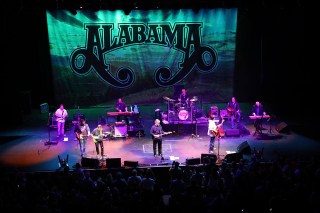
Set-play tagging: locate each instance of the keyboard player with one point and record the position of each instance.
(258, 110)
(121, 107)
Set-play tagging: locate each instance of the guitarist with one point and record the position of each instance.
(61, 114)
(98, 140)
(82, 132)
(213, 132)
(156, 132)
(233, 109)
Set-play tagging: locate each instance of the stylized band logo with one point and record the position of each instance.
(184, 37)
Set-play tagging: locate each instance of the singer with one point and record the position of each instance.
(61, 115)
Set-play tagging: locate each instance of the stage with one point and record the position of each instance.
(33, 146)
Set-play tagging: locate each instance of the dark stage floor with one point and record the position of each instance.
(26, 147)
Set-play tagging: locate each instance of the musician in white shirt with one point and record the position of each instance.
(212, 132)
(61, 114)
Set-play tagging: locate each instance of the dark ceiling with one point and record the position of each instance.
(148, 4)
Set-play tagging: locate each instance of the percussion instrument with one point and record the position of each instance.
(183, 114)
(167, 98)
(194, 98)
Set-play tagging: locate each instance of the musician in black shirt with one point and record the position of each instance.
(233, 108)
(156, 132)
(82, 132)
(97, 135)
(121, 107)
(258, 110)
(184, 98)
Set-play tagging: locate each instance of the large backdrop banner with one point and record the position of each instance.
(99, 56)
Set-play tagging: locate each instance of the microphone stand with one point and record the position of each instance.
(218, 156)
(219, 137)
(49, 142)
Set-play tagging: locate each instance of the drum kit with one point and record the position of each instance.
(181, 111)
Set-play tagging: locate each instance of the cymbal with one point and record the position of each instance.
(167, 99)
(194, 99)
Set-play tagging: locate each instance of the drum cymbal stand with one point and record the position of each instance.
(168, 110)
(195, 134)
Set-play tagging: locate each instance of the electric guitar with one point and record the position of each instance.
(81, 136)
(159, 135)
(97, 138)
(215, 131)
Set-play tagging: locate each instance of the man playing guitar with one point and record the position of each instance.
(157, 132)
(61, 114)
(233, 109)
(98, 140)
(213, 132)
(82, 132)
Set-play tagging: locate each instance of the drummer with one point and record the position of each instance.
(184, 98)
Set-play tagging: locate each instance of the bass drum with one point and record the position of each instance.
(183, 114)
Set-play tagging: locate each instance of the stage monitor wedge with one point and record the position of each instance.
(113, 162)
(244, 148)
(90, 162)
(208, 158)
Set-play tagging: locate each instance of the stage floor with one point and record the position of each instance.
(26, 147)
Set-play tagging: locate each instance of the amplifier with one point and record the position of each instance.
(193, 161)
(120, 130)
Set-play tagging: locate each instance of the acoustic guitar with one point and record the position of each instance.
(216, 131)
(230, 110)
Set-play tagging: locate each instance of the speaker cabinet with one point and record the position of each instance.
(232, 132)
(193, 161)
(234, 157)
(282, 128)
(244, 148)
(130, 163)
(90, 162)
(207, 158)
(120, 130)
(113, 162)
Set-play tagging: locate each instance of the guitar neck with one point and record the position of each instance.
(167, 133)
